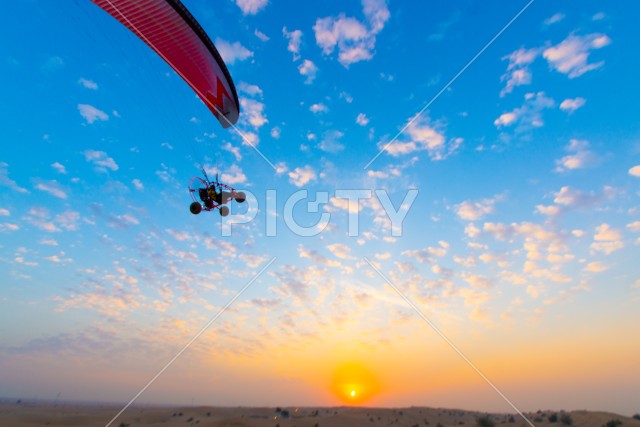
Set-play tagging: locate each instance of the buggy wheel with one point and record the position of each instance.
(224, 211)
(195, 208)
(241, 197)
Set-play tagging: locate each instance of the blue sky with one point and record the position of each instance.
(521, 242)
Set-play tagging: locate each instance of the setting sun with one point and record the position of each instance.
(354, 384)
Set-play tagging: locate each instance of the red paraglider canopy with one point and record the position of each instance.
(174, 34)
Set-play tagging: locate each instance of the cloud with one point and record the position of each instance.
(429, 254)
(635, 171)
(251, 7)
(518, 73)
(362, 119)
(249, 89)
(88, 84)
(59, 167)
(423, 135)
(262, 36)
(572, 54)
(53, 188)
(331, 142)
(340, 250)
(354, 39)
(318, 108)
(554, 19)
(606, 239)
(308, 69)
(634, 226)
(253, 111)
(5, 181)
(138, 184)
(473, 211)
(302, 176)
(100, 160)
(234, 175)
(295, 38)
(572, 104)
(595, 267)
(579, 158)
(91, 114)
(4, 212)
(528, 116)
(231, 52)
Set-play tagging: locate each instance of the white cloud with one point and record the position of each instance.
(331, 142)
(233, 150)
(579, 158)
(5, 181)
(233, 175)
(262, 36)
(528, 116)
(362, 119)
(634, 226)
(295, 38)
(309, 70)
(231, 52)
(422, 135)
(318, 108)
(355, 40)
(518, 73)
(635, 171)
(100, 160)
(473, 211)
(301, 176)
(572, 54)
(251, 7)
(554, 19)
(572, 104)
(606, 239)
(275, 132)
(598, 16)
(340, 250)
(91, 113)
(138, 184)
(53, 188)
(253, 112)
(59, 167)
(88, 83)
(249, 89)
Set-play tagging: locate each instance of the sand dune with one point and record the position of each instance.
(26, 414)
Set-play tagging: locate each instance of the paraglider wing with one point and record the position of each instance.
(174, 34)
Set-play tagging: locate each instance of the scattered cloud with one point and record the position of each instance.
(572, 104)
(251, 7)
(88, 84)
(473, 211)
(232, 52)
(635, 171)
(100, 160)
(354, 39)
(262, 36)
(91, 114)
(5, 181)
(302, 176)
(554, 19)
(423, 135)
(571, 56)
(518, 73)
(308, 69)
(295, 38)
(318, 108)
(138, 184)
(330, 142)
(59, 168)
(580, 158)
(53, 188)
(362, 119)
(528, 116)
(606, 239)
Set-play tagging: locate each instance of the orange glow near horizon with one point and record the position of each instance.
(354, 384)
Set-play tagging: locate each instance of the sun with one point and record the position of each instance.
(354, 384)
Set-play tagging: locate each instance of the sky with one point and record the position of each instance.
(498, 217)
